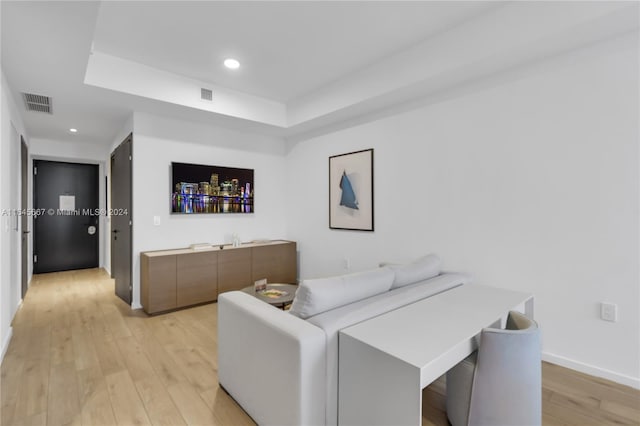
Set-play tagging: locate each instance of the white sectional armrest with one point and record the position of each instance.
(272, 363)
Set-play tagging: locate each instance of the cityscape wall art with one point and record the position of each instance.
(197, 189)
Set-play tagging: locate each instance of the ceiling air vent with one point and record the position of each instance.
(206, 94)
(37, 103)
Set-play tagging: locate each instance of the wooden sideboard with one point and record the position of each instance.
(173, 279)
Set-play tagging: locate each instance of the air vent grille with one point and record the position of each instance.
(206, 94)
(38, 103)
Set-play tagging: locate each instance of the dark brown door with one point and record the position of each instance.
(121, 216)
(66, 234)
(24, 164)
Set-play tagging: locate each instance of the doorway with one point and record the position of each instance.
(121, 224)
(66, 232)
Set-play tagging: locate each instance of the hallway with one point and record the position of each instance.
(79, 355)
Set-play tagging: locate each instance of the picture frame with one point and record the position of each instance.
(351, 191)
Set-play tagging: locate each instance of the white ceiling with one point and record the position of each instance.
(286, 49)
(45, 46)
(313, 63)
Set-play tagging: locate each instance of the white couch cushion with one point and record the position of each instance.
(420, 269)
(323, 294)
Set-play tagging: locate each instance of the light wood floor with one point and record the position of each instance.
(80, 356)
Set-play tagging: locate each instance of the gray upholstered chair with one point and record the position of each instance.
(500, 383)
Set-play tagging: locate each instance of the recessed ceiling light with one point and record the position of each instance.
(72, 130)
(231, 63)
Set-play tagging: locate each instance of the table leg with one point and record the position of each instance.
(376, 388)
(528, 308)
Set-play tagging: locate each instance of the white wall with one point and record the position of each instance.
(72, 150)
(158, 141)
(531, 185)
(10, 225)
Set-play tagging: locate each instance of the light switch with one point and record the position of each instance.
(156, 220)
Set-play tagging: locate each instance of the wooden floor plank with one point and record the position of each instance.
(94, 397)
(80, 356)
(224, 408)
(200, 320)
(85, 353)
(114, 321)
(10, 381)
(135, 359)
(61, 345)
(162, 363)
(39, 419)
(127, 405)
(193, 409)
(158, 403)
(198, 373)
(63, 406)
(200, 344)
(108, 353)
(631, 414)
(577, 383)
(33, 394)
(137, 325)
(39, 342)
(594, 412)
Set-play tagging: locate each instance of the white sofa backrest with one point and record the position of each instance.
(315, 296)
(420, 269)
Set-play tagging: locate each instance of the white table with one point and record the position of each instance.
(386, 361)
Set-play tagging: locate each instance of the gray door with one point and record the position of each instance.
(121, 216)
(24, 164)
(66, 235)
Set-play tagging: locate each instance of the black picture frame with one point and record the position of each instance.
(351, 191)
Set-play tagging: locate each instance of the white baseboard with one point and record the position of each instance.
(136, 306)
(5, 344)
(592, 370)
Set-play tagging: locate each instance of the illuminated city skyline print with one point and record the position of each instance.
(198, 188)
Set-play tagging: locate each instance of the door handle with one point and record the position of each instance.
(25, 232)
(115, 231)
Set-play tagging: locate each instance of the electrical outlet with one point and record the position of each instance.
(609, 311)
(156, 220)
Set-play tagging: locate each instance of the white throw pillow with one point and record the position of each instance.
(323, 294)
(419, 270)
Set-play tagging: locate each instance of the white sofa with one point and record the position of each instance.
(282, 367)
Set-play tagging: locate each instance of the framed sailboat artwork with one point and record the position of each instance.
(351, 191)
